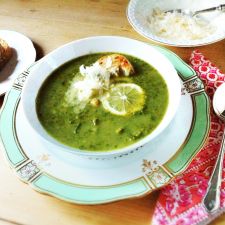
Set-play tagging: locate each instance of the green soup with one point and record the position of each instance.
(94, 128)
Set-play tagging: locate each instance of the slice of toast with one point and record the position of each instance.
(5, 53)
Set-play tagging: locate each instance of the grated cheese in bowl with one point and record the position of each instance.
(177, 26)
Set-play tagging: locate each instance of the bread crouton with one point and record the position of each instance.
(117, 64)
(5, 53)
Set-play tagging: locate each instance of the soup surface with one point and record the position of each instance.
(94, 127)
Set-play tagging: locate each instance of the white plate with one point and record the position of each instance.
(139, 10)
(24, 55)
(81, 180)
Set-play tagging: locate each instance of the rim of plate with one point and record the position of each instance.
(44, 183)
(159, 40)
(32, 56)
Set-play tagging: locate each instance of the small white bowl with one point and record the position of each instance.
(96, 45)
(138, 12)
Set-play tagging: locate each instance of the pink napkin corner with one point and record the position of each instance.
(179, 202)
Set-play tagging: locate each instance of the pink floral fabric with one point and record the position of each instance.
(179, 202)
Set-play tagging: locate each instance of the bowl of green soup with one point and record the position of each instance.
(101, 96)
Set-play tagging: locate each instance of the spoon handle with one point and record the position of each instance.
(219, 8)
(211, 200)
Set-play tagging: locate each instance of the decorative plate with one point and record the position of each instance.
(92, 181)
(138, 12)
(24, 54)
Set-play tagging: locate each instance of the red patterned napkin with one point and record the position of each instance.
(180, 202)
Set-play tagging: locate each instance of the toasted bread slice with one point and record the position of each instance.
(118, 64)
(5, 53)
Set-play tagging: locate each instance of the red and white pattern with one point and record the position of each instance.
(179, 202)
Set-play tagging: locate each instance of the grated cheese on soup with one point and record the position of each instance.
(177, 26)
(94, 79)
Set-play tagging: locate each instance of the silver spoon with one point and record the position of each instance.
(191, 13)
(211, 200)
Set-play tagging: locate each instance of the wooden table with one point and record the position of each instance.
(49, 24)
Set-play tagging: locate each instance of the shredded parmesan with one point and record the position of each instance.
(177, 26)
(94, 80)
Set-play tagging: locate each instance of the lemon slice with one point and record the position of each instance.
(124, 99)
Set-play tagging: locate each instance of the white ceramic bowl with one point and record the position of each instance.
(95, 45)
(139, 10)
